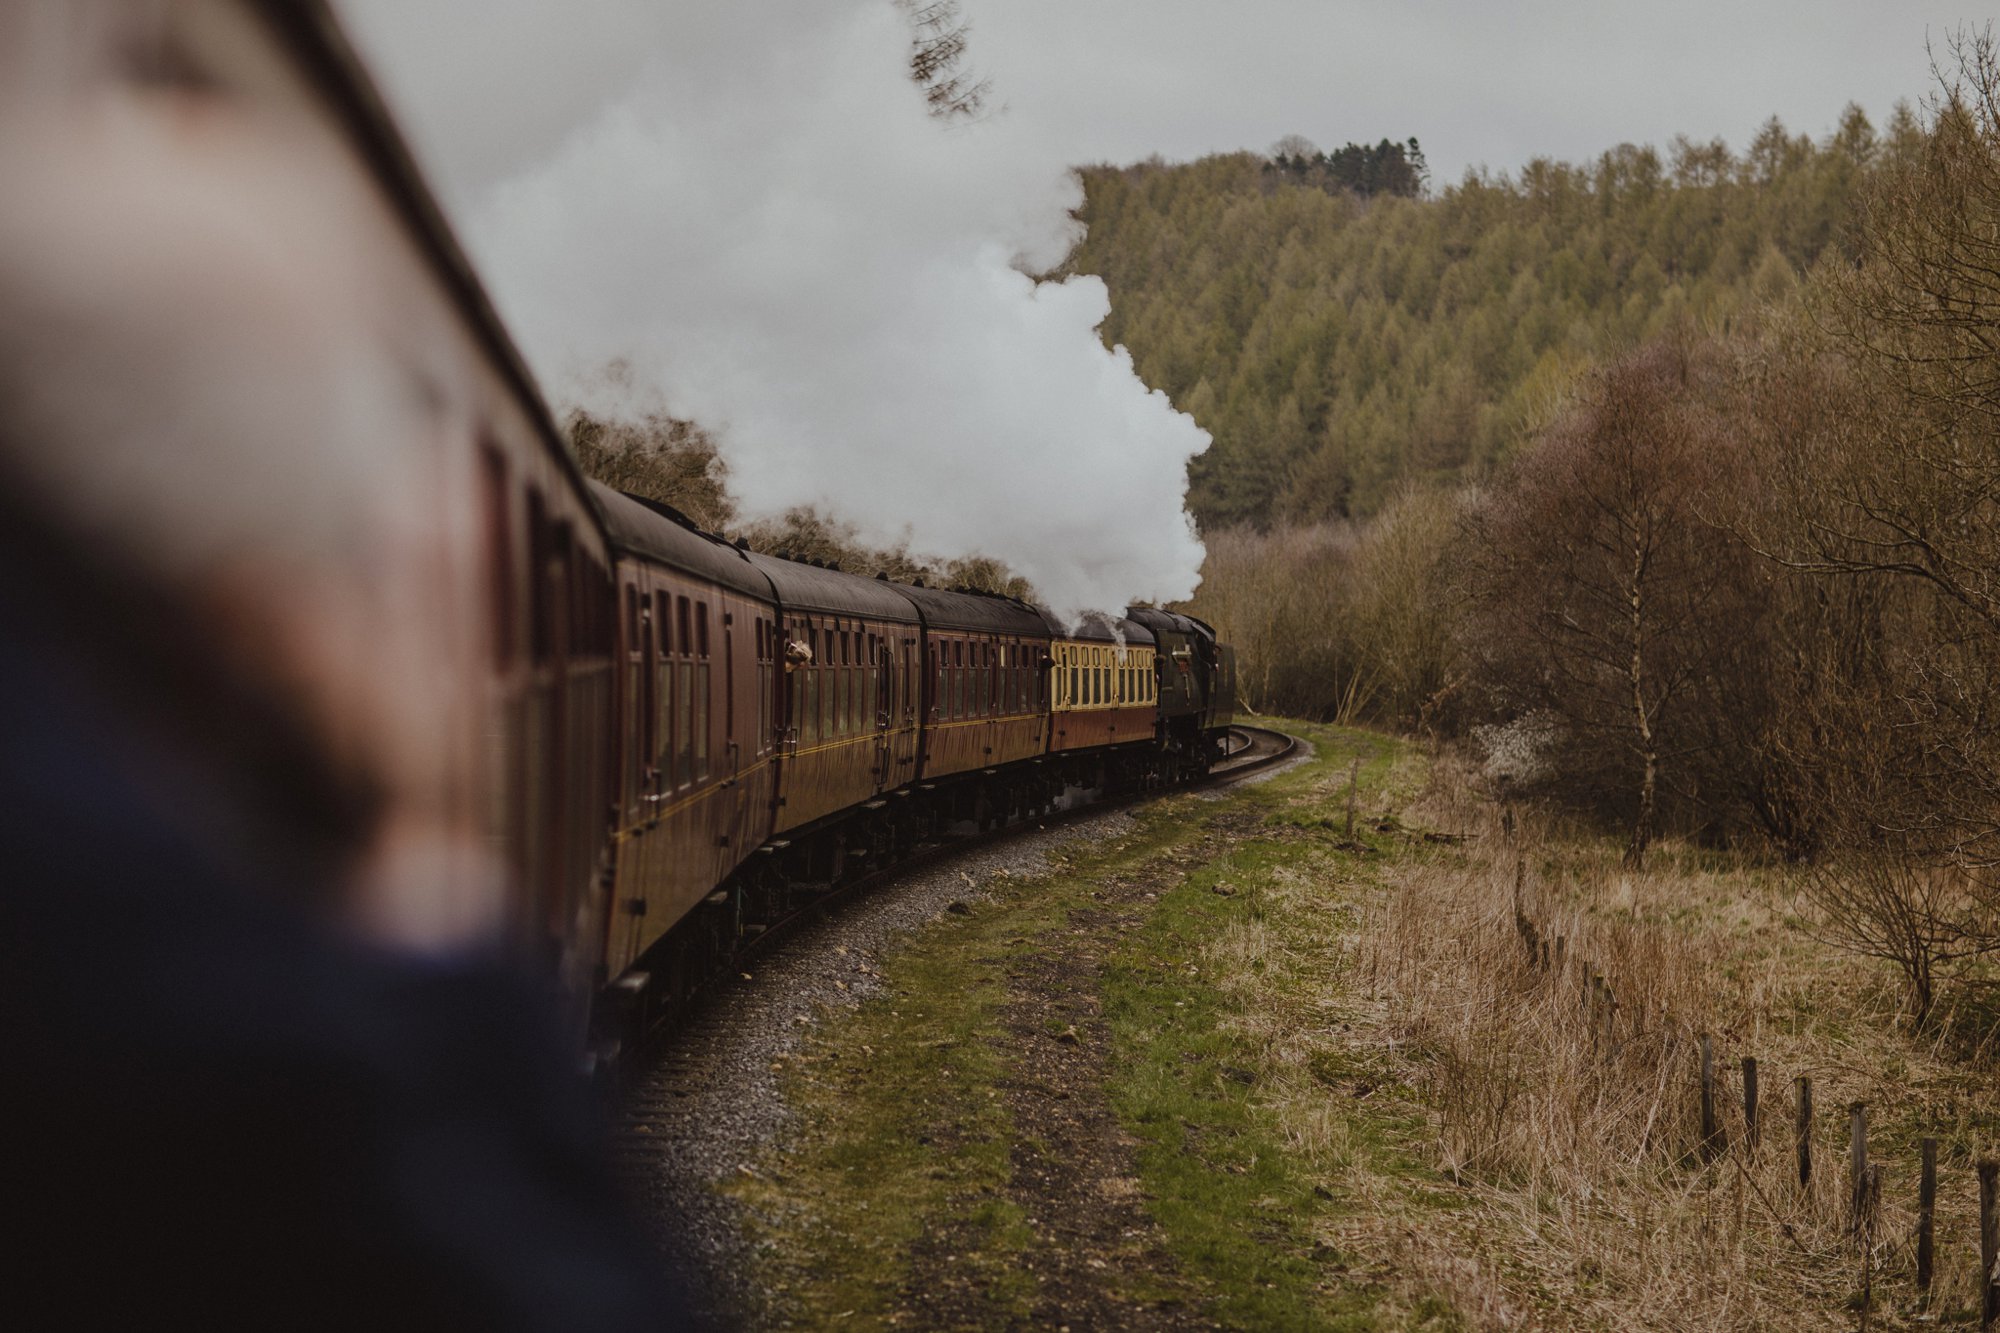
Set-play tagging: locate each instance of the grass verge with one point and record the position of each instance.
(1243, 1064)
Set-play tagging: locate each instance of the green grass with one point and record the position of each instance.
(906, 1142)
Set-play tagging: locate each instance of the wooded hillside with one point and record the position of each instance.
(1336, 343)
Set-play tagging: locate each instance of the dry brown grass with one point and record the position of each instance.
(1584, 1197)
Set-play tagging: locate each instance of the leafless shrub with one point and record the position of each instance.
(1925, 918)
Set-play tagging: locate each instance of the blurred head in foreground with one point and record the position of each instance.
(247, 896)
(229, 406)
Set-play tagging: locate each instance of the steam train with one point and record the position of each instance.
(778, 727)
(620, 744)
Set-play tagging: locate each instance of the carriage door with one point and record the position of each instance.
(885, 716)
(903, 701)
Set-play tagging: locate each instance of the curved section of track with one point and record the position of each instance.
(1249, 749)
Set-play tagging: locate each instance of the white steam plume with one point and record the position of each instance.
(755, 216)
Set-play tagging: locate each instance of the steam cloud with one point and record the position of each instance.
(747, 210)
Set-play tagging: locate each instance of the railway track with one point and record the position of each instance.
(1248, 749)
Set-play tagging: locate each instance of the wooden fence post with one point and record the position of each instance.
(1989, 1244)
(1802, 1130)
(1926, 1215)
(1750, 1103)
(1709, 1129)
(1868, 1202)
(1857, 1164)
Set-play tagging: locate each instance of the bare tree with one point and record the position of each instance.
(1879, 428)
(938, 45)
(1606, 598)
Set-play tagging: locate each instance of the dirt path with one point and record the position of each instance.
(1073, 1176)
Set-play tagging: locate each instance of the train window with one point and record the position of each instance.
(685, 721)
(499, 554)
(829, 677)
(809, 722)
(683, 641)
(665, 703)
(701, 628)
(773, 683)
(701, 710)
(593, 604)
(541, 645)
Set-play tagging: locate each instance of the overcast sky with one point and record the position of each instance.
(1478, 81)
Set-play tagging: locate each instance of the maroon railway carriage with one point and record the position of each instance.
(985, 698)
(529, 588)
(848, 730)
(698, 647)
